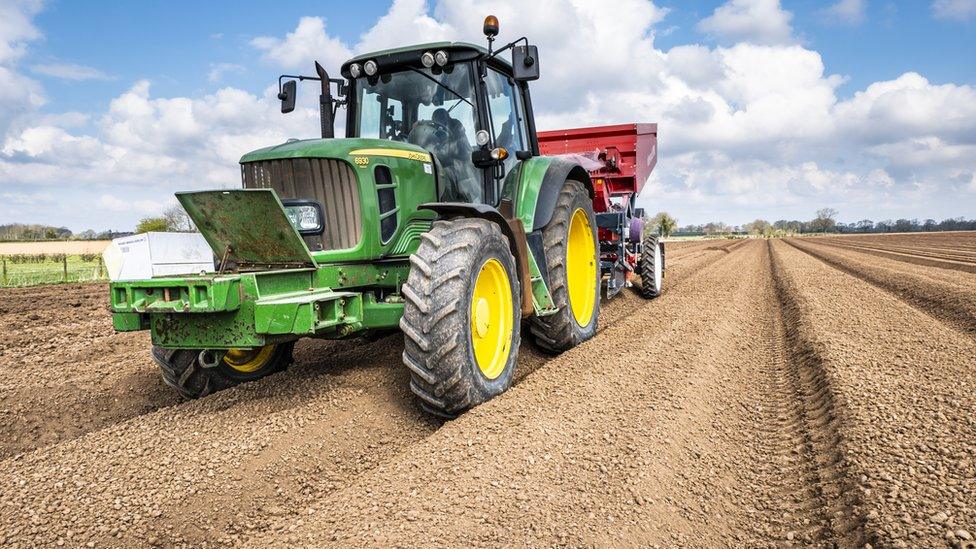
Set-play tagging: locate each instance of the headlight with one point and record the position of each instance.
(481, 138)
(441, 57)
(427, 59)
(355, 70)
(370, 67)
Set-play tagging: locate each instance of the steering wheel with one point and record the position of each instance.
(440, 130)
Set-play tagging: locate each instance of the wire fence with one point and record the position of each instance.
(19, 270)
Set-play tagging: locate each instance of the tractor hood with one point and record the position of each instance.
(346, 149)
(247, 229)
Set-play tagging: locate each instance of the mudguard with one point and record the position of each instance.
(534, 192)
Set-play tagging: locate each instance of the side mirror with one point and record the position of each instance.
(287, 96)
(525, 63)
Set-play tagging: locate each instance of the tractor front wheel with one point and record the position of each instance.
(461, 316)
(573, 261)
(196, 373)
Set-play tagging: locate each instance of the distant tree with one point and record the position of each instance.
(906, 225)
(50, 233)
(884, 226)
(825, 220)
(715, 227)
(930, 225)
(864, 225)
(953, 224)
(758, 227)
(152, 224)
(664, 223)
(177, 219)
(86, 235)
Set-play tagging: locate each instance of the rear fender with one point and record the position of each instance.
(511, 228)
(539, 182)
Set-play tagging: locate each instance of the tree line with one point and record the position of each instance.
(175, 219)
(33, 231)
(826, 221)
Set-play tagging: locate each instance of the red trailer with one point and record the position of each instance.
(620, 159)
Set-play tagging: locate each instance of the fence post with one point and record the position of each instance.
(100, 267)
(4, 271)
(64, 263)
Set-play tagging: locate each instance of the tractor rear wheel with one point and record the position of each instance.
(573, 261)
(461, 316)
(651, 267)
(196, 373)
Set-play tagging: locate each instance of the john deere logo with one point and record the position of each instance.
(361, 161)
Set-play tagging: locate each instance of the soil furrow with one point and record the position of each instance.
(814, 415)
(955, 307)
(902, 383)
(926, 260)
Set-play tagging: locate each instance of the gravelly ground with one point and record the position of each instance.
(803, 392)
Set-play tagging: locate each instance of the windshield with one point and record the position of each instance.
(432, 108)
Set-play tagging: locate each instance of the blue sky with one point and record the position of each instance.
(159, 41)
(141, 81)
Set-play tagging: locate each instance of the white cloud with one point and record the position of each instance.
(27, 199)
(308, 42)
(115, 204)
(406, 21)
(959, 10)
(848, 12)
(218, 70)
(18, 93)
(70, 71)
(756, 21)
(17, 28)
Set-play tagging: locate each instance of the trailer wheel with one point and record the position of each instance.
(196, 373)
(573, 261)
(651, 267)
(461, 317)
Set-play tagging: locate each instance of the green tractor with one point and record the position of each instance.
(436, 214)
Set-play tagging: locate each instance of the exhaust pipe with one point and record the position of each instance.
(325, 103)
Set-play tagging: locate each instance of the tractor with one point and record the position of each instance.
(437, 214)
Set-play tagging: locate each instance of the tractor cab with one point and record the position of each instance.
(464, 104)
(456, 100)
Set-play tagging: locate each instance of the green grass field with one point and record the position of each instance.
(51, 272)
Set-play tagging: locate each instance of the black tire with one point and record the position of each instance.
(651, 285)
(182, 370)
(436, 322)
(561, 331)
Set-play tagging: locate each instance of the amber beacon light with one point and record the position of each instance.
(491, 26)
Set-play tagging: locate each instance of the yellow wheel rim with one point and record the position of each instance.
(248, 360)
(491, 319)
(581, 267)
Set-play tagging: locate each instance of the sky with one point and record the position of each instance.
(766, 109)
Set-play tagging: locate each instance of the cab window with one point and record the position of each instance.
(433, 108)
(507, 121)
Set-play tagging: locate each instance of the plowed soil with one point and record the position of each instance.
(779, 393)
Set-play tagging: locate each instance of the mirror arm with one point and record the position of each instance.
(510, 45)
(298, 77)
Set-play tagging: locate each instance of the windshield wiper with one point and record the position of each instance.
(441, 84)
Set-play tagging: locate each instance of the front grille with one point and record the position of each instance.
(330, 182)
